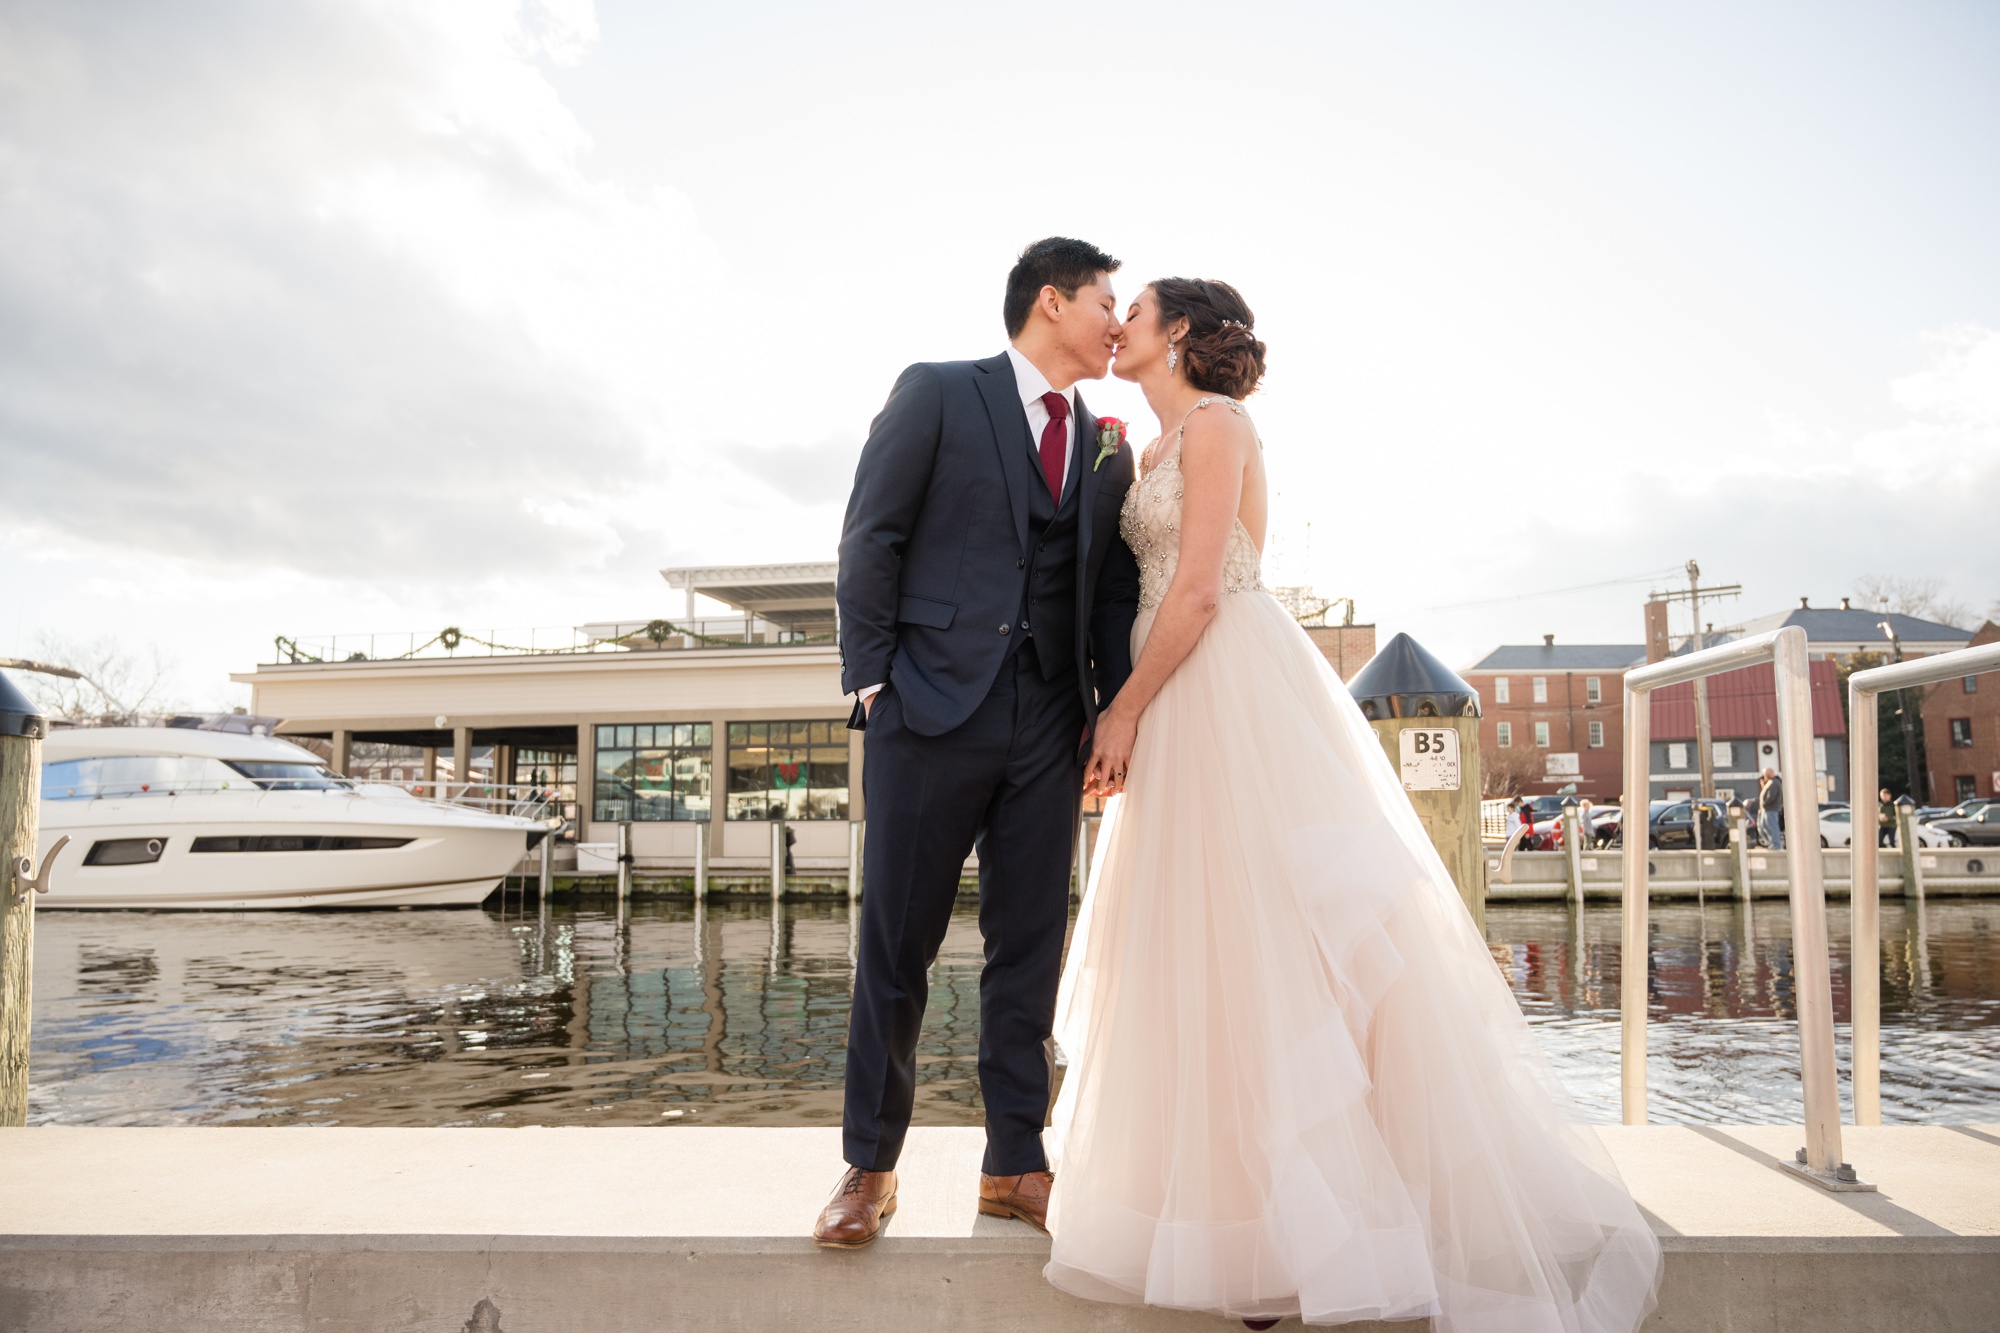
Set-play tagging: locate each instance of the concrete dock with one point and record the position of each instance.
(265, 1230)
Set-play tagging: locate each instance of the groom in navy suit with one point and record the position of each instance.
(986, 607)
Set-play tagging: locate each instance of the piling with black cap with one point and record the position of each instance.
(1427, 717)
(21, 730)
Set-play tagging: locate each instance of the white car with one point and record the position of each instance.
(1836, 829)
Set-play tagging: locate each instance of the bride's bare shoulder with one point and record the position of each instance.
(1220, 428)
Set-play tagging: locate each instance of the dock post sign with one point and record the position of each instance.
(1430, 758)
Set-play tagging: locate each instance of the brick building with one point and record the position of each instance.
(1346, 647)
(1551, 716)
(1961, 721)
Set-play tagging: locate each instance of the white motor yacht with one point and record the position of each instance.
(167, 817)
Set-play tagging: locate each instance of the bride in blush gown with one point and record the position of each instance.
(1297, 1084)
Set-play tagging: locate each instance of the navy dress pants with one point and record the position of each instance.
(1010, 782)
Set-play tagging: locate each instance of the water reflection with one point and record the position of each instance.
(670, 1013)
(1723, 1041)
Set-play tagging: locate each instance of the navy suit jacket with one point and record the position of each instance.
(933, 553)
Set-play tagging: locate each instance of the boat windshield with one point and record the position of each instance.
(136, 775)
(173, 775)
(289, 777)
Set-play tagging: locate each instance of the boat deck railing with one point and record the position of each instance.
(520, 799)
(614, 637)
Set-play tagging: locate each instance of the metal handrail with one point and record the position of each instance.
(1785, 649)
(1865, 896)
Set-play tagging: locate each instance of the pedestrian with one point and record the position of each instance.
(1885, 821)
(1771, 804)
(1586, 822)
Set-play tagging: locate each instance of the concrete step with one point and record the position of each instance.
(222, 1230)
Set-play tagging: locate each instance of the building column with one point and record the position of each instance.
(430, 770)
(342, 743)
(461, 755)
(718, 785)
(586, 777)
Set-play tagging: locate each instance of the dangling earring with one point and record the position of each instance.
(1171, 358)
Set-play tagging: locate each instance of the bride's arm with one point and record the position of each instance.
(1214, 457)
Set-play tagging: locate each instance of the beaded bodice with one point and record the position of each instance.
(1151, 524)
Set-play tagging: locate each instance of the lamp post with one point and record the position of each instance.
(1902, 716)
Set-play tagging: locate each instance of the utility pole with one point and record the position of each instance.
(1694, 595)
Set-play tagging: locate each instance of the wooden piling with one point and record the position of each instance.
(21, 731)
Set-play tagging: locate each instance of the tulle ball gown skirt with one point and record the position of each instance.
(1297, 1083)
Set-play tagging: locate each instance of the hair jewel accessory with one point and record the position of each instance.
(1237, 323)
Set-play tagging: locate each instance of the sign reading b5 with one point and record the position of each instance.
(1430, 758)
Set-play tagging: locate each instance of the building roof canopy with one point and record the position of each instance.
(762, 590)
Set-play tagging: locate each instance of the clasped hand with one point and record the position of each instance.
(1110, 752)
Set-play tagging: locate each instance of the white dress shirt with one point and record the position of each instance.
(1032, 384)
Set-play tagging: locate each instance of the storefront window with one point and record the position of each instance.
(787, 770)
(653, 772)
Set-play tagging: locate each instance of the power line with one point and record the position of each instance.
(1554, 592)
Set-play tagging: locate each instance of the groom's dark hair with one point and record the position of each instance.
(1059, 262)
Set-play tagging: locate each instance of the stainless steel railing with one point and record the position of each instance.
(1785, 649)
(1862, 775)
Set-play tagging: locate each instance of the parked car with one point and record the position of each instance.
(1981, 830)
(1836, 829)
(1963, 810)
(1672, 823)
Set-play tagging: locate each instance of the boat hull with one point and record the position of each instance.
(448, 856)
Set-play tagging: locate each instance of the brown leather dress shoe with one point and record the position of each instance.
(1023, 1196)
(853, 1217)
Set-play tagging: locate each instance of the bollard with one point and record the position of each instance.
(21, 732)
(1428, 721)
(777, 861)
(1739, 847)
(624, 862)
(1573, 845)
(701, 862)
(853, 861)
(1906, 842)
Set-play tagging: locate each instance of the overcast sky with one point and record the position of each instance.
(329, 317)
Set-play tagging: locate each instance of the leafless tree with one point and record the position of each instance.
(1509, 772)
(117, 686)
(1921, 597)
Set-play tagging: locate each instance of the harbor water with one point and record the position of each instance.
(725, 1015)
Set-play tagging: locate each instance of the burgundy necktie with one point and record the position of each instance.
(1055, 438)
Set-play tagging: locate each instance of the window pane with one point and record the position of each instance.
(612, 791)
(1506, 730)
(738, 733)
(703, 735)
(607, 736)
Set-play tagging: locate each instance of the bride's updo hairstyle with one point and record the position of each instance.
(1222, 355)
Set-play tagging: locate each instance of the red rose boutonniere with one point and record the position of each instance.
(1110, 435)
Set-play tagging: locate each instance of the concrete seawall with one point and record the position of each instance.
(624, 1230)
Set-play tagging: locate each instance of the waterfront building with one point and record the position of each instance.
(1552, 717)
(1552, 723)
(728, 721)
(1743, 727)
(1961, 720)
